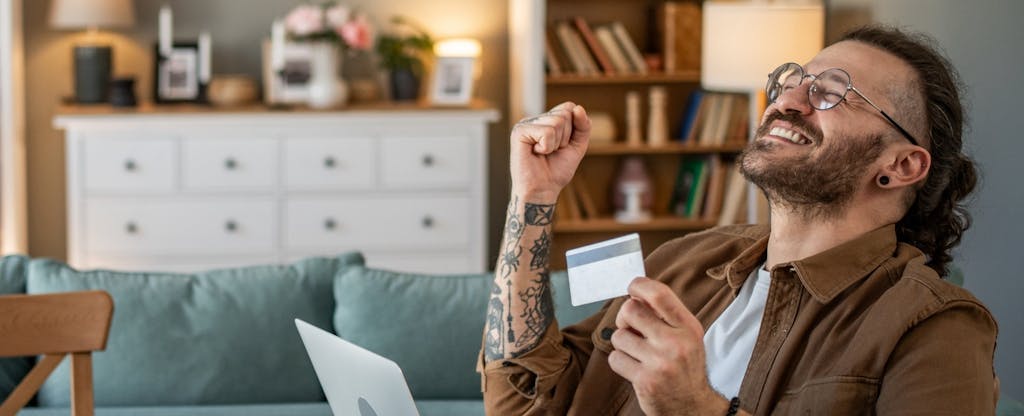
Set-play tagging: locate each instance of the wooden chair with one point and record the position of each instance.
(54, 325)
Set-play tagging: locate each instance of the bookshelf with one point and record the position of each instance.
(536, 87)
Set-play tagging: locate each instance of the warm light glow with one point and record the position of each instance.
(464, 47)
(743, 41)
(77, 14)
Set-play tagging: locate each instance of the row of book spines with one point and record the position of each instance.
(706, 188)
(715, 118)
(709, 188)
(574, 48)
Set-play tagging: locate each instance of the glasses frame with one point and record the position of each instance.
(773, 76)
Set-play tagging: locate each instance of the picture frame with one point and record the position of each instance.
(176, 77)
(452, 80)
(291, 84)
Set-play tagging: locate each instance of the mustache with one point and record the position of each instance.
(792, 118)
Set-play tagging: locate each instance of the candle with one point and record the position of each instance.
(277, 46)
(204, 57)
(166, 37)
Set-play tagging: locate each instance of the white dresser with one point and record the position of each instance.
(184, 189)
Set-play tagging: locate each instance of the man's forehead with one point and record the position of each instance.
(870, 68)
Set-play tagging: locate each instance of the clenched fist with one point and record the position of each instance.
(546, 150)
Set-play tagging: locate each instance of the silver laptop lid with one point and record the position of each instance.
(356, 381)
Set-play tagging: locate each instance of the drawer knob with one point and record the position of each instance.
(230, 163)
(427, 222)
(428, 160)
(230, 226)
(130, 165)
(131, 228)
(330, 162)
(330, 224)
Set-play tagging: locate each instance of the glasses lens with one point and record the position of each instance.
(782, 79)
(829, 88)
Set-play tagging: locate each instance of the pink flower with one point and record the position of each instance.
(305, 20)
(337, 15)
(357, 33)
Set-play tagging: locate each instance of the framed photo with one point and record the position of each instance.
(452, 81)
(176, 77)
(290, 85)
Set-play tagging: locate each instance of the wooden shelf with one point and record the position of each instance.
(655, 224)
(652, 78)
(666, 149)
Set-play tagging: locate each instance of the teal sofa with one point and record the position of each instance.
(223, 342)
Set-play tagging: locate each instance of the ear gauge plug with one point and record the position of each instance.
(883, 180)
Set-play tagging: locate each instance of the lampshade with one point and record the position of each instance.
(82, 14)
(462, 47)
(744, 40)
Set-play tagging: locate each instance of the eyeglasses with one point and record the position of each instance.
(827, 89)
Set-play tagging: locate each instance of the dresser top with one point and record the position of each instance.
(67, 114)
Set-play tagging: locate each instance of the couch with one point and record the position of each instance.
(223, 342)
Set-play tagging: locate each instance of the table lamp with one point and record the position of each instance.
(92, 60)
(743, 41)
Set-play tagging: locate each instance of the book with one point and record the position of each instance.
(693, 136)
(687, 186)
(586, 201)
(681, 30)
(631, 51)
(603, 61)
(573, 46)
(721, 128)
(709, 120)
(695, 201)
(733, 206)
(611, 46)
(690, 114)
(567, 201)
(550, 59)
(718, 171)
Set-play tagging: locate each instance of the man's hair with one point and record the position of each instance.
(937, 217)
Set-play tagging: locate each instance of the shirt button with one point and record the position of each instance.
(606, 333)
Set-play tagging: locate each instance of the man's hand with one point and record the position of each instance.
(547, 149)
(659, 347)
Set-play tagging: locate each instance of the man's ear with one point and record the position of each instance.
(907, 166)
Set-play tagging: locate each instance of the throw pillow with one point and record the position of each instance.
(430, 325)
(12, 282)
(217, 337)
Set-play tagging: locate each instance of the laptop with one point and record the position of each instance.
(356, 381)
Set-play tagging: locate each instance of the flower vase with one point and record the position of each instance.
(327, 89)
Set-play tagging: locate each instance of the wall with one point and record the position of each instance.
(237, 27)
(983, 40)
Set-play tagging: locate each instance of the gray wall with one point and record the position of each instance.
(984, 40)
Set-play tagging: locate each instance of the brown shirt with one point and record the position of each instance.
(862, 328)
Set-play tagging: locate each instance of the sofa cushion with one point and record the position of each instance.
(12, 281)
(430, 325)
(217, 337)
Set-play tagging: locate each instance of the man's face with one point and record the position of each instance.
(815, 161)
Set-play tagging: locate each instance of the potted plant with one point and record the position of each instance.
(403, 53)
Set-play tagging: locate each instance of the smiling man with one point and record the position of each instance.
(837, 307)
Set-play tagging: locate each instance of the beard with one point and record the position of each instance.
(812, 185)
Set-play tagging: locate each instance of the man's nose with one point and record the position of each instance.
(795, 100)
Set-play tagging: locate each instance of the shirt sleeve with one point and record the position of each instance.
(543, 380)
(943, 365)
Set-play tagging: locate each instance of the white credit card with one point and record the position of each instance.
(603, 270)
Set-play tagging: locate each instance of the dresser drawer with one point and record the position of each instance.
(225, 164)
(326, 163)
(175, 227)
(425, 162)
(365, 223)
(127, 163)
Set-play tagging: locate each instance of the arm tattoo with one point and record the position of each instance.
(537, 214)
(494, 348)
(541, 248)
(538, 313)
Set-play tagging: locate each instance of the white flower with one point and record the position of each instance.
(305, 20)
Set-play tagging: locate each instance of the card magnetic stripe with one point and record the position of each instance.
(603, 253)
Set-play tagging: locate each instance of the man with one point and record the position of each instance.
(836, 308)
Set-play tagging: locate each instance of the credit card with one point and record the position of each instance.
(603, 270)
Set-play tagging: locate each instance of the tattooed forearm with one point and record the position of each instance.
(538, 313)
(521, 306)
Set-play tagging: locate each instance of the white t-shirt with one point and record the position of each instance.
(729, 341)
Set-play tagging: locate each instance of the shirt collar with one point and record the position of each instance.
(825, 274)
